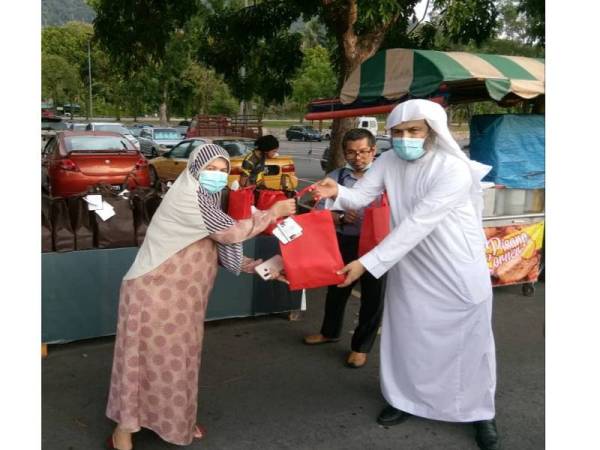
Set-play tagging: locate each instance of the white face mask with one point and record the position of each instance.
(367, 167)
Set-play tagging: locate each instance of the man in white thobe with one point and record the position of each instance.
(437, 347)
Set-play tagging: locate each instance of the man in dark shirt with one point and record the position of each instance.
(359, 151)
(253, 165)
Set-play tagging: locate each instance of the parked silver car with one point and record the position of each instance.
(115, 127)
(156, 141)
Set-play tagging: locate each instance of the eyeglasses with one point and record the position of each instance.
(354, 154)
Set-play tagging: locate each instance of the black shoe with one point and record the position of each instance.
(391, 416)
(486, 435)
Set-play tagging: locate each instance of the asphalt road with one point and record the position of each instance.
(307, 157)
(261, 388)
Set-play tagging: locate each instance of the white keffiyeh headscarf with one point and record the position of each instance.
(436, 118)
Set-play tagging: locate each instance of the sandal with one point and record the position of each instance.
(316, 339)
(199, 431)
(110, 443)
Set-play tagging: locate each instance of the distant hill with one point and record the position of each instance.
(59, 12)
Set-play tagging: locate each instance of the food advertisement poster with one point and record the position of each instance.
(514, 253)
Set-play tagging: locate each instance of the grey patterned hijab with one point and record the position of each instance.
(230, 255)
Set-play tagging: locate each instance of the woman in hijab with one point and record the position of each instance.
(163, 299)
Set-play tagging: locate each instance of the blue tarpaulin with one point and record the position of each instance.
(514, 145)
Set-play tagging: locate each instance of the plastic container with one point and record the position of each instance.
(511, 202)
(489, 198)
(535, 200)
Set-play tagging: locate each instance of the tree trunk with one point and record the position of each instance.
(338, 129)
(162, 109)
(355, 50)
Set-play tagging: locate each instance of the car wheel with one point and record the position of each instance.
(319, 139)
(304, 138)
(327, 137)
(154, 180)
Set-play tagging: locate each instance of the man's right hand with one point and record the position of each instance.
(326, 188)
(351, 216)
(284, 208)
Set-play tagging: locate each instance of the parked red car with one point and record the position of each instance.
(75, 160)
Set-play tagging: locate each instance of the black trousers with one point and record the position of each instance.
(371, 305)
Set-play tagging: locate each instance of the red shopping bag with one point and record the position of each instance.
(375, 226)
(240, 203)
(312, 260)
(268, 197)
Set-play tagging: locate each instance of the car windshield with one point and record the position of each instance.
(236, 148)
(164, 135)
(309, 128)
(53, 125)
(96, 143)
(108, 127)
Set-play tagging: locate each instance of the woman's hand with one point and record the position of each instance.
(248, 264)
(284, 208)
(326, 188)
(353, 272)
(279, 276)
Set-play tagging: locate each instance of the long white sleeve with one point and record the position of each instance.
(447, 191)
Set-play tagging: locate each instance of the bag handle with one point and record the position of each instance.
(303, 191)
(251, 187)
(384, 199)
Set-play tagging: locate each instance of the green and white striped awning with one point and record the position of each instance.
(395, 73)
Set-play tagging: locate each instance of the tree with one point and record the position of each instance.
(535, 12)
(356, 31)
(315, 78)
(60, 80)
(512, 23)
(144, 33)
(69, 41)
(138, 32)
(201, 90)
(466, 21)
(254, 49)
(314, 34)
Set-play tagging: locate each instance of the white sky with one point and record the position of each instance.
(420, 8)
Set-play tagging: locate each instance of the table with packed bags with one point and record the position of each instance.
(84, 259)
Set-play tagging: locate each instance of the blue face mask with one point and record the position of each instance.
(212, 180)
(408, 149)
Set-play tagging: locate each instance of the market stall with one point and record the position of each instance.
(513, 144)
(85, 257)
